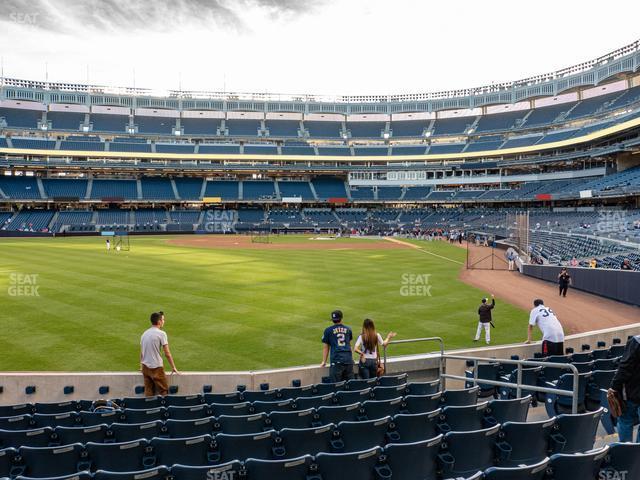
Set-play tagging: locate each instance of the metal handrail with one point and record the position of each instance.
(416, 340)
(518, 385)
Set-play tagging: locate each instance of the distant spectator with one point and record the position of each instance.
(626, 265)
(549, 325)
(366, 347)
(574, 262)
(564, 280)
(104, 406)
(153, 341)
(337, 342)
(625, 387)
(593, 263)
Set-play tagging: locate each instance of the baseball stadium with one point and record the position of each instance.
(492, 231)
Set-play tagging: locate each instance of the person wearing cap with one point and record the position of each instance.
(564, 280)
(336, 342)
(484, 321)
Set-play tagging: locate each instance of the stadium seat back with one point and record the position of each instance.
(388, 393)
(576, 433)
(69, 435)
(529, 472)
(234, 409)
(234, 447)
(414, 461)
(183, 400)
(339, 413)
(189, 413)
(463, 419)
(230, 471)
(120, 457)
(423, 388)
(224, 398)
(423, 403)
(195, 451)
(350, 397)
(375, 409)
(242, 424)
(299, 442)
(514, 410)
(36, 437)
(524, 442)
(128, 432)
(53, 461)
(416, 427)
(296, 419)
(359, 436)
(582, 465)
(156, 473)
(623, 457)
(291, 469)
(393, 380)
(303, 403)
(189, 428)
(468, 452)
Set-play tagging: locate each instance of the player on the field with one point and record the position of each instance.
(108, 245)
(484, 320)
(337, 340)
(549, 325)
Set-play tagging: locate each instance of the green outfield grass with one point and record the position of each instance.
(226, 309)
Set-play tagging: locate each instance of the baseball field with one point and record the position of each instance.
(67, 304)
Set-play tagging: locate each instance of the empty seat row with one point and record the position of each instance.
(459, 454)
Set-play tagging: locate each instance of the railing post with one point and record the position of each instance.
(519, 380)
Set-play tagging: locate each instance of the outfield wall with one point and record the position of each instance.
(620, 285)
(50, 386)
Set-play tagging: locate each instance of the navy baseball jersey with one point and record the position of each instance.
(339, 337)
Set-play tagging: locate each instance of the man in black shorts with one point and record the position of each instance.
(549, 325)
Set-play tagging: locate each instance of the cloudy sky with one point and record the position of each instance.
(306, 46)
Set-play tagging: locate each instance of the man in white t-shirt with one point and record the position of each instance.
(152, 343)
(549, 325)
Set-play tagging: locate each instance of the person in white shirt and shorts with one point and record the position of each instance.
(550, 326)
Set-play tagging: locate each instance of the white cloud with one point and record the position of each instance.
(329, 47)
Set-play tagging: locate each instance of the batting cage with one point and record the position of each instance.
(261, 235)
(499, 247)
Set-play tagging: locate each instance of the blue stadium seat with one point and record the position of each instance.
(529, 472)
(141, 403)
(339, 413)
(375, 409)
(156, 473)
(99, 418)
(524, 442)
(623, 457)
(7, 456)
(121, 457)
(422, 403)
(393, 380)
(327, 388)
(530, 376)
(37, 437)
(486, 371)
(54, 408)
(296, 392)
(53, 461)
(189, 413)
(291, 469)
(350, 397)
(195, 451)
(234, 409)
(578, 465)
(388, 393)
(315, 402)
(85, 475)
(241, 424)
(189, 428)
(260, 395)
(460, 398)
(183, 400)
(414, 461)
(19, 422)
(69, 435)
(357, 384)
(277, 406)
(15, 410)
(598, 381)
(298, 442)
(423, 388)
(459, 459)
(133, 415)
(463, 419)
(230, 470)
(224, 398)
(358, 436)
(353, 466)
(233, 447)
(69, 419)
(416, 427)
(128, 432)
(575, 433)
(297, 419)
(514, 410)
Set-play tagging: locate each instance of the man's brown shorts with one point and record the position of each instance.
(155, 381)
